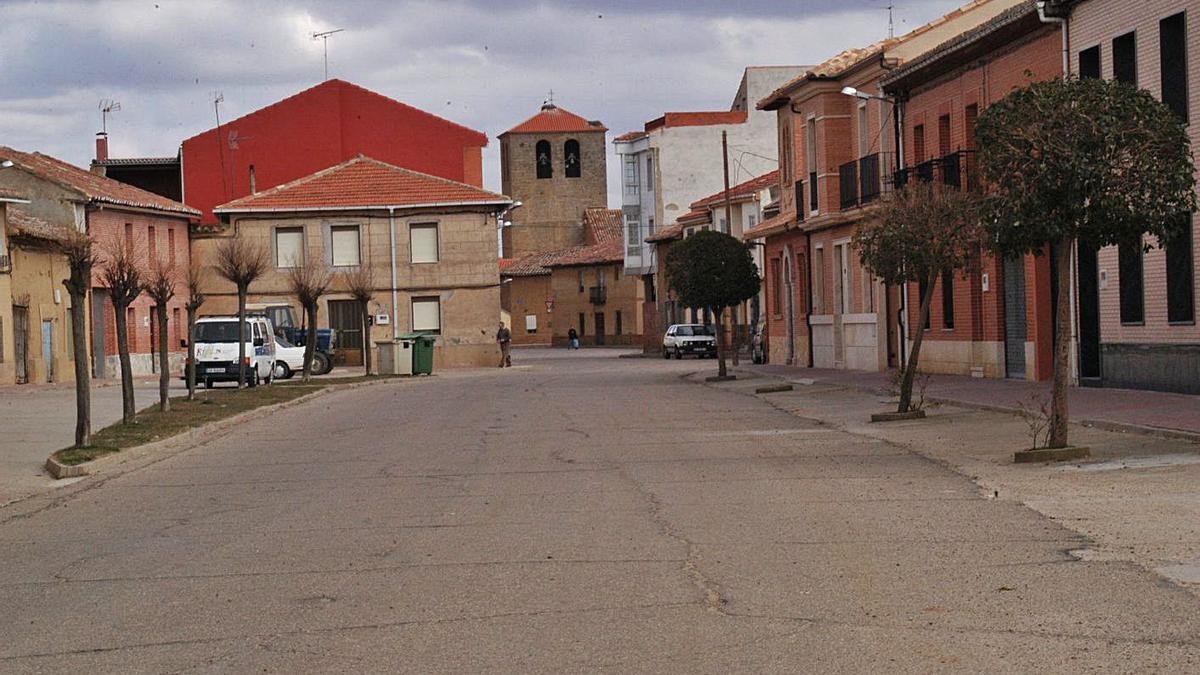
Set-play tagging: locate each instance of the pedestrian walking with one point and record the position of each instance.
(572, 339)
(504, 339)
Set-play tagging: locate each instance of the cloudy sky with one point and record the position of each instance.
(484, 63)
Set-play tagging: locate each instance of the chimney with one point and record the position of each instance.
(101, 146)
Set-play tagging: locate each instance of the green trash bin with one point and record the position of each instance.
(422, 357)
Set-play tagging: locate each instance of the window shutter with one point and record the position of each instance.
(344, 243)
(426, 314)
(289, 246)
(424, 241)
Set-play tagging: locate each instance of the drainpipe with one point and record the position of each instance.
(395, 281)
(1042, 6)
(808, 305)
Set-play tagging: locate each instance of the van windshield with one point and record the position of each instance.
(219, 331)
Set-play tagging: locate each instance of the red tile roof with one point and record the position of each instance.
(741, 191)
(666, 234)
(773, 225)
(530, 265)
(602, 225)
(90, 186)
(21, 222)
(629, 136)
(553, 119)
(603, 230)
(363, 183)
(697, 119)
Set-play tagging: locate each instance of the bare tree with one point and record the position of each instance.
(309, 282)
(196, 298)
(160, 286)
(241, 262)
(81, 258)
(123, 276)
(361, 285)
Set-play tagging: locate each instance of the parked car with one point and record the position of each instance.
(690, 339)
(289, 359)
(217, 350)
(283, 321)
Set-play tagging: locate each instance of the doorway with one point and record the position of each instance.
(345, 318)
(21, 339)
(599, 338)
(1015, 326)
(99, 334)
(1089, 314)
(48, 348)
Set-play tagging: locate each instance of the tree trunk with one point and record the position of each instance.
(366, 333)
(910, 368)
(83, 389)
(241, 336)
(164, 375)
(721, 372)
(127, 404)
(310, 342)
(191, 357)
(1062, 345)
(737, 336)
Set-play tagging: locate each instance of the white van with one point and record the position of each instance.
(217, 350)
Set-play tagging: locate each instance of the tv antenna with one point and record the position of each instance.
(218, 98)
(107, 107)
(891, 8)
(324, 37)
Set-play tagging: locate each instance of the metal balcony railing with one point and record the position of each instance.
(955, 170)
(870, 180)
(848, 183)
(598, 295)
(813, 203)
(800, 194)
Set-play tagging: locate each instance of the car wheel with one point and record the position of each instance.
(282, 372)
(666, 353)
(678, 354)
(321, 364)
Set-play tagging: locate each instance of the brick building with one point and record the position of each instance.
(1136, 312)
(429, 244)
(114, 214)
(837, 154)
(996, 321)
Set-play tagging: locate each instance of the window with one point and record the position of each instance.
(152, 244)
(618, 318)
(171, 245)
(922, 288)
(785, 147)
(542, 156)
(580, 281)
(571, 160)
(969, 116)
(1124, 55)
(1129, 267)
(423, 242)
(722, 225)
(864, 143)
(1172, 55)
(631, 176)
(289, 246)
(776, 286)
(531, 323)
(943, 135)
(919, 143)
(650, 223)
(344, 250)
(810, 155)
(948, 299)
(633, 239)
(427, 315)
(1181, 293)
(1089, 63)
(819, 281)
(129, 236)
(751, 220)
(649, 172)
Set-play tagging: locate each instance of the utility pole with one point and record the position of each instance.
(324, 36)
(729, 231)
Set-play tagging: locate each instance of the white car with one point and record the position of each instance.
(217, 350)
(689, 339)
(289, 359)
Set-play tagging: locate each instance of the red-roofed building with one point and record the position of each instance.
(428, 242)
(317, 128)
(63, 197)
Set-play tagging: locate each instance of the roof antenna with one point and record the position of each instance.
(324, 36)
(107, 107)
(891, 8)
(549, 102)
(218, 98)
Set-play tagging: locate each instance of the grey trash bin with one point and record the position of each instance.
(395, 357)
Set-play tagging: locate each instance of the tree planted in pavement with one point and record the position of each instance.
(196, 298)
(123, 275)
(160, 286)
(1088, 160)
(712, 270)
(241, 262)
(922, 231)
(77, 247)
(309, 282)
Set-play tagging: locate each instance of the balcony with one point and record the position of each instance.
(955, 170)
(848, 182)
(813, 203)
(862, 181)
(598, 295)
(799, 200)
(5, 263)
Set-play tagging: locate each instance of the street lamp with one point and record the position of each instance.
(851, 91)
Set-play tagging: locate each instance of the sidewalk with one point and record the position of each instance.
(1114, 408)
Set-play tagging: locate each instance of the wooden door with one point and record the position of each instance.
(599, 328)
(48, 348)
(21, 338)
(345, 318)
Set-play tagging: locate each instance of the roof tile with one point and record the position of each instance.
(551, 119)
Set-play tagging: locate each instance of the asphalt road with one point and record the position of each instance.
(576, 513)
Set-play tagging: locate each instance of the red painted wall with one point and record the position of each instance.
(318, 128)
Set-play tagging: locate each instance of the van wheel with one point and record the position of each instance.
(253, 379)
(282, 372)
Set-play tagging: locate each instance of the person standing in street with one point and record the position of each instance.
(572, 339)
(504, 339)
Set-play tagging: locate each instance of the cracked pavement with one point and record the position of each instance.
(577, 513)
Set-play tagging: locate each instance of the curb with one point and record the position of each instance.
(192, 437)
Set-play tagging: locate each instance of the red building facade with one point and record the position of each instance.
(318, 128)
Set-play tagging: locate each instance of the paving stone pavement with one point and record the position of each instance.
(576, 513)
